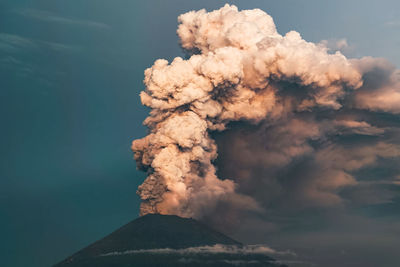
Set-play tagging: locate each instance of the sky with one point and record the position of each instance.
(71, 73)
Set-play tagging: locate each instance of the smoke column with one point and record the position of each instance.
(242, 70)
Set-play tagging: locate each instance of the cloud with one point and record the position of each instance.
(245, 71)
(381, 89)
(334, 45)
(255, 124)
(215, 249)
(235, 255)
(50, 17)
(24, 56)
(12, 43)
(271, 137)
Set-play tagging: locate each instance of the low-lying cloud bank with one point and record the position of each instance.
(216, 249)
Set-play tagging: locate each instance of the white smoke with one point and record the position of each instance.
(239, 71)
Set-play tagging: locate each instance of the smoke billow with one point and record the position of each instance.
(284, 111)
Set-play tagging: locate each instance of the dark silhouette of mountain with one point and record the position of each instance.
(143, 241)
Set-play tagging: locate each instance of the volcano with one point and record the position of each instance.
(166, 240)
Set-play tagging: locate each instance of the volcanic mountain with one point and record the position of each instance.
(166, 240)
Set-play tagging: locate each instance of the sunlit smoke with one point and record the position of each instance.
(242, 70)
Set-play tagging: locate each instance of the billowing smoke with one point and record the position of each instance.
(285, 112)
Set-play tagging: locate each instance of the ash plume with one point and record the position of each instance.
(280, 107)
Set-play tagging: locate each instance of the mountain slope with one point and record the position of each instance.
(141, 243)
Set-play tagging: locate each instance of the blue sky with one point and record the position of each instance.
(71, 72)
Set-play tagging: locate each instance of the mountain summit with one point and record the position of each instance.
(165, 240)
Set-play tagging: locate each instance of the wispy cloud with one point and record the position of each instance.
(216, 249)
(13, 43)
(55, 18)
(23, 56)
(16, 65)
